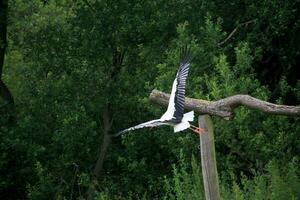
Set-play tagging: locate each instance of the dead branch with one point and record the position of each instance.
(225, 107)
(234, 31)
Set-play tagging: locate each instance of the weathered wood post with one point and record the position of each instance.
(223, 108)
(208, 159)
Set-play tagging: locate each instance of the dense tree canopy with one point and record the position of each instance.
(77, 70)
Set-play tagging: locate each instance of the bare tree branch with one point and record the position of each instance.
(234, 31)
(225, 107)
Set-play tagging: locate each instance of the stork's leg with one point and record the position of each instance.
(197, 130)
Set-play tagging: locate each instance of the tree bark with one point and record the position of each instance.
(105, 142)
(225, 107)
(117, 61)
(3, 32)
(107, 123)
(117, 64)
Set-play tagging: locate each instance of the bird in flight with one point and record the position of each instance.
(174, 116)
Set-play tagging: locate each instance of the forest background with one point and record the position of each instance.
(77, 70)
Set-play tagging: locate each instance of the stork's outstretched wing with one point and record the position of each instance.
(176, 103)
(152, 123)
(182, 74)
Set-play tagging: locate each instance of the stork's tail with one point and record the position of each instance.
(188, 117)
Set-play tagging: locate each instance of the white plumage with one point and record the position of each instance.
(174, 116)
(171, 107)
(184, 124)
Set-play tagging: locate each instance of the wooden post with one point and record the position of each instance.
(223, 108)
(208, 159)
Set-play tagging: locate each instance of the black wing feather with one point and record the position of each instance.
(152, 123)
(181, 77)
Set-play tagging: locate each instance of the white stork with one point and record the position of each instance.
(174, 116)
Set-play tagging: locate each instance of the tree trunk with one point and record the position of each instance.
(99, 164)
(107, 123)
(3, 32)
(117, 63)
(4, 91)
(105, 144)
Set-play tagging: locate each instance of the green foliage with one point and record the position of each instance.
(59, 68)
(186, 182)
(278, 182)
